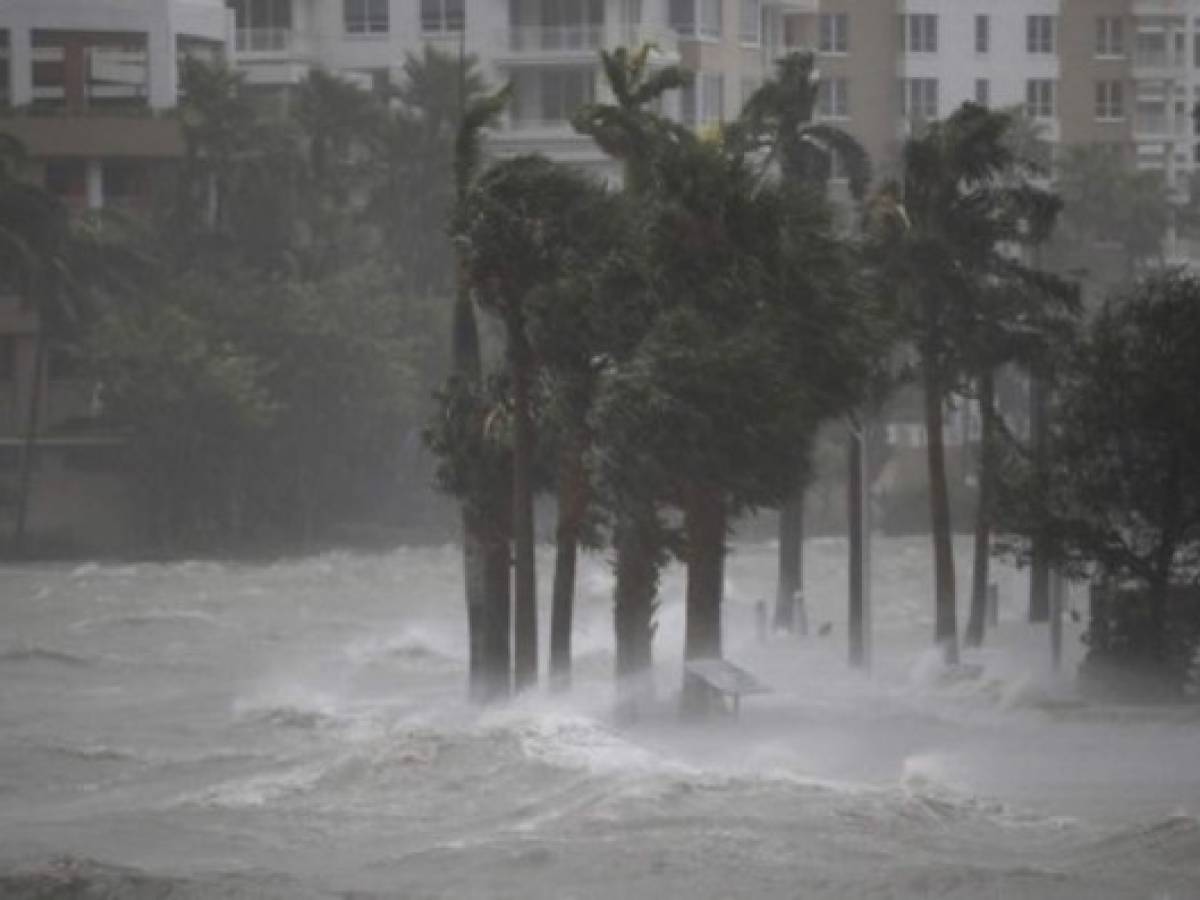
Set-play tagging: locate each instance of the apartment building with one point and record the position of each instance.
(86, 86)
(546, 48)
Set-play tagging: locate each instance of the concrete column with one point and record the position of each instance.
(20, 52)
(162, 67)
(94, 173)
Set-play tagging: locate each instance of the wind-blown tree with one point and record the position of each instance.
(1123, 494)
(35, 238)
(747, 347)
(778, 123)
(576, 331)
(1023, 317)
(475, 459)
(62, 268)
(630, 132)
(526, 226)
(938, 236)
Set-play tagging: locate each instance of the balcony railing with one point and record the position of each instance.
(265, 40)
(1159, 59)
(579, 40)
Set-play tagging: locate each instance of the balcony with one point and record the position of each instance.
(97, 134)
(269, 42)
(575, 43)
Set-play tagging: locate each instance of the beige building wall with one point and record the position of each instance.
(1084, 68)
(869, 66)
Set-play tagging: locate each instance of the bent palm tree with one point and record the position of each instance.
(630, 131)
(940, 238)
(778, 123)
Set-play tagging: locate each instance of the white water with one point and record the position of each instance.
(298, 729)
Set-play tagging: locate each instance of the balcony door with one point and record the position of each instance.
(570, 24)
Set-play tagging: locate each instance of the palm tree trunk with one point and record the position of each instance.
(983, 511)
(1039, 570)
(636, 565)
(475, 584)
(856, 624)
(791, 563)
(497, 602)
(705, 526)
(29, 445)
(525, 670)
(465, 358)
(945, 625)
(572, 502)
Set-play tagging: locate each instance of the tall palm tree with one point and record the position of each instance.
(631, 132)
(940, 237)
(486, 519)
(779, 121)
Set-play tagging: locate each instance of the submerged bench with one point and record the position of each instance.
(724, 679)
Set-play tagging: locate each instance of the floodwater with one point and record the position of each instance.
(298, 730)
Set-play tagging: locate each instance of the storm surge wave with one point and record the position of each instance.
(300, 730)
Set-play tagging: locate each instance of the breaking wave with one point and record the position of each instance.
(25, 653)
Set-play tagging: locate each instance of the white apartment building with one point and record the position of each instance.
(546, 48)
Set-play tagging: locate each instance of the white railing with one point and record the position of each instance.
(1151, 123)
(264, 40)
(580, 39)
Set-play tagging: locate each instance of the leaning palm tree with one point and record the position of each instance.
(486, 518)
(779, 122)
(630, 131)
(942, 238)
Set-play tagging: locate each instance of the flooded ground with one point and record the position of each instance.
(298, 729)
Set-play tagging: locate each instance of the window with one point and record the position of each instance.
(710, 18)
(919, 33)
(443, 16)
(1110, 36)
(713, 96)
(919, 98)
(702, 99)
(117, 74)
(983, 92)
(1039, 34)
(262, 25)
(834, 36)
(750, 84)
(833, 98)
(1110, 100)
(570, 24)
(750, 22)
(1039, 98)
(365, 16)
(696, 18)
(564, 90)
(983, 34)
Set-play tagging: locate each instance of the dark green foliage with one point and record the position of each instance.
(272, 370)
(777, 122)
(943, 241)
(1123, 486)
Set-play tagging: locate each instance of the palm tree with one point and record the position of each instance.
(487, 517)
(35, 237)
(940, 237)
(630, 131)
(524, 228)
(778, 122)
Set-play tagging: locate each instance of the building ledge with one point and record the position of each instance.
(97, 136)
